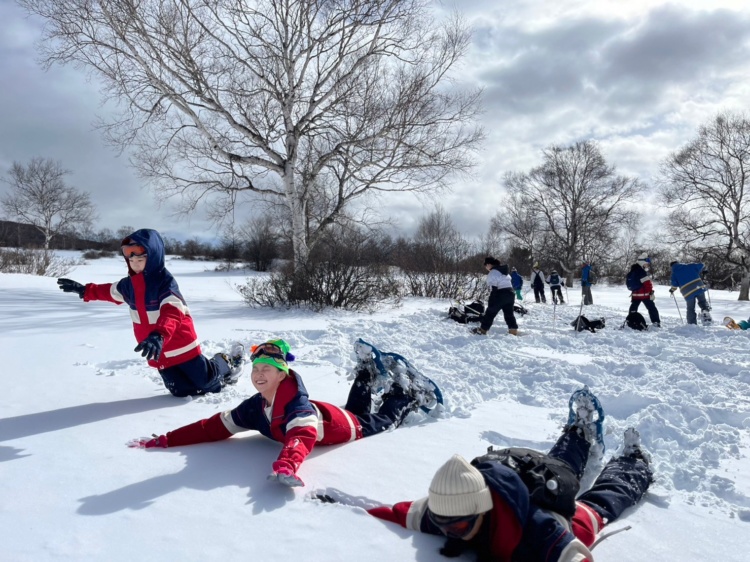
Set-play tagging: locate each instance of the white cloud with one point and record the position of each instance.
(638, 76)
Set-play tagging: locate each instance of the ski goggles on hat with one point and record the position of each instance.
(454, 527)
(134, 251)
(267, 350)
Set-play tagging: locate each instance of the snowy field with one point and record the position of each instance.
(74, 393)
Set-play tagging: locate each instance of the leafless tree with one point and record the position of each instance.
(704, 186)
(571, 207)
(262, 242)
(439, 244)
(520, 225)
(314, 103)
(39, 196)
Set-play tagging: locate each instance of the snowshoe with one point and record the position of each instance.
(731, 324)
(388, 369)
(236, 361)
(706, 319)
(586, 413)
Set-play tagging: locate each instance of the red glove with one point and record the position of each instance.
(283, 474)
(149, 442)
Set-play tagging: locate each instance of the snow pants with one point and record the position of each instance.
(197, 376)
(586, 292)
(621, 484)
(396, 405)
(653, 313)
(539, 295)
(690, 302)
(500, 299)
(556, 291)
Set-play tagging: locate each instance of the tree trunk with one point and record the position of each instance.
(744, 287)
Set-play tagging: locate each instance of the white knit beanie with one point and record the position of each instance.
(458, 489)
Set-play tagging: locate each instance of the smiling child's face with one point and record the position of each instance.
(266, 378)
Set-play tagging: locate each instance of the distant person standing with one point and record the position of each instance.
(537, 282)
(587, 279)
(517, 283)
(555, 287)
(642, 289)
(501, 297)
(687, 276)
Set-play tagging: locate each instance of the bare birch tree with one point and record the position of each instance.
(574, 204)
(704, 186)
(314, 103)
(39, 196)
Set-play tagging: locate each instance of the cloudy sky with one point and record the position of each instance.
(639, 76)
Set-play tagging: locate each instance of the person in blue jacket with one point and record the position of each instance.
(516, 282)
(586, 282)
(687, 277)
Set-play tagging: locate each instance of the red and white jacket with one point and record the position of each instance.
(291, 419)
(155, 303)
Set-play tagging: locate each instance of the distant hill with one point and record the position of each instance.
(20, 235)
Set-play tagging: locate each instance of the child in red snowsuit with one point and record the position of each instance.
(282, 411)
(161, 319)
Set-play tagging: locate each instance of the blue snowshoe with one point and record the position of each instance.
(389, 368)
(585, 412)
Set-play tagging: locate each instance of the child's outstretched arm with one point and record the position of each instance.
(298, 442)
(210, 429)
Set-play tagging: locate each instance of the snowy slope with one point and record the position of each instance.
(74, 393)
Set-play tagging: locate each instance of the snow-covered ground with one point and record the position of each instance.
(74, 393)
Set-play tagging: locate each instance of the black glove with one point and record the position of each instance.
(150, 348)
(70, 286)
(672, 290)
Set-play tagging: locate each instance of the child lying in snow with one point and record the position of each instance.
(503, 509)
(282, 411)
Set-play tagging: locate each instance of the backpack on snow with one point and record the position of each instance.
(537, 470)
(582, 323)
(518, 309)
(633, 281)
(636, 321)
(467, 313)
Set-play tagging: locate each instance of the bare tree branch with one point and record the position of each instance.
(300, 101)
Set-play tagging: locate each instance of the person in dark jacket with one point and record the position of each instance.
(555, 287)
(586, 282)
(501, 298)
(687, 276)
(645, 292)
(162, 322)
(485, 506)
(516, 282)
(537, 282)
(282, 411)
